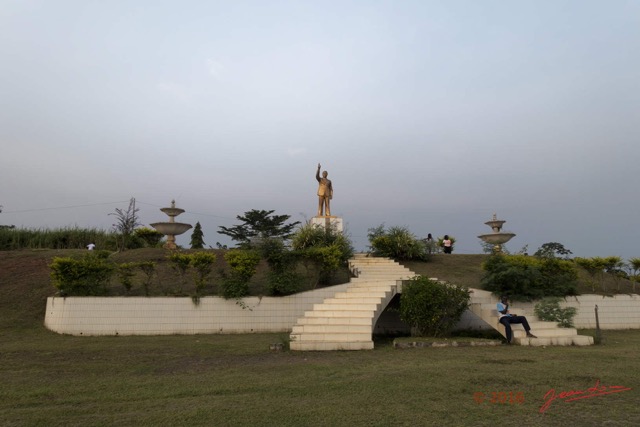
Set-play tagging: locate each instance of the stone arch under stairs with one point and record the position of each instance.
(346, 321)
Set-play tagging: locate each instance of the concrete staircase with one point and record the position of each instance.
(483, 305)
(346, 321)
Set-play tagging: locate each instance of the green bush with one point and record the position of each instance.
(87, 276)
(149, 270)
(243, 264)
(277, 255)
(281, 283)
(126, 272)
(202, 263)
(149, 236)
(549, 310)
(527, 278)
(397, 243)
(323, 251)
(180, 263)
(432, 308)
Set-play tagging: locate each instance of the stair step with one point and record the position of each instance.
(330, 346)
(346, 306)
(335, 321)
(331, 336)
(340, 314)
(331, 329)
(547, 333)
(362, 291)
(353, 299)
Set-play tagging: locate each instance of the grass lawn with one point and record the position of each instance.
(226, 380)
(229, 380)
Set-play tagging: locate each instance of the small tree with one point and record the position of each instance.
(126, 222)
(595, 267)
(259, 224)
(553, 250)
(197, 237)
(634, 266)
(432, 308)
(149, 236)
(283, 279)
(243, 265)
(126, 273)
(202, 263)
(180, 263)
(149, 270)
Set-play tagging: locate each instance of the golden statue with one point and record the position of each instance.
(325, 193)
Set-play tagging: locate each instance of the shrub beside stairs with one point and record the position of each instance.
(483, 305)
(346, 321)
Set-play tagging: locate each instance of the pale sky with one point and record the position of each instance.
(427, 114)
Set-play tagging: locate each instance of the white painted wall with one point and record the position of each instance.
(215, 315)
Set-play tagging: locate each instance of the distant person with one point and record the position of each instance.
(325, 193)
(91, 246)
(507, 319)
(429, 243)
(447, 244)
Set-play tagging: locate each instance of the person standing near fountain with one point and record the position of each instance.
(325, 193)
(447, 244)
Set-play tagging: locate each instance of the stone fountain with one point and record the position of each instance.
(171, 229)
(497, 238)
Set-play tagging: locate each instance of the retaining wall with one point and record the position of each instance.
(215, 315)
(168, 315)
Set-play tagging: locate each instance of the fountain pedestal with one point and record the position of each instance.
(171, 229)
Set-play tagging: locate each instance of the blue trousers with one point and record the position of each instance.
(508, 320)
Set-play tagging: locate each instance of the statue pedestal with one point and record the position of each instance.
(328, 221)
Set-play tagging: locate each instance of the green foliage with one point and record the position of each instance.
(202, 263)
(597, 267)
(257, 225)
(549, 310)
(553, 250)
(527, 278)
(277, 255)
(149, 270)
(60, 238)
(180, 263)
(243, 264)
(324, 249)
(126, 222)
(149, 236)
(197, 237)
(397, 243)
(87, 276)
(126, 272)
(283, 282)
(432, 308)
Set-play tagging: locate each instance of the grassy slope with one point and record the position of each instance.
(49, 379)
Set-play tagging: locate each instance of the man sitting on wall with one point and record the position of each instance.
(507, 319)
